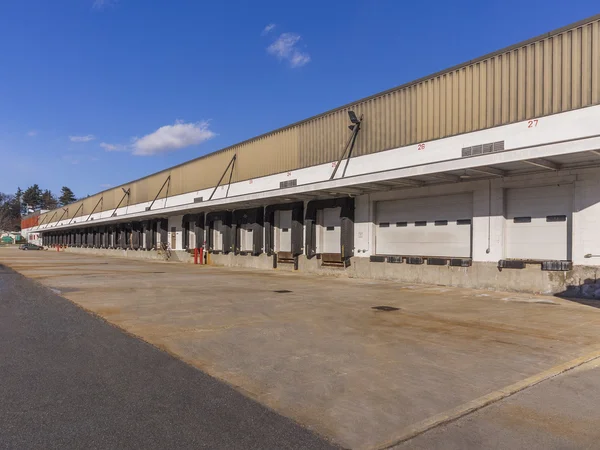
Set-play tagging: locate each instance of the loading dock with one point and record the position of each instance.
(538, 221)
(249, 231)
(425, 226)
(219, 232)
(284, 231)
(193, 231)
(330, 230)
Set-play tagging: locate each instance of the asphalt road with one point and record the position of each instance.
(70, 380)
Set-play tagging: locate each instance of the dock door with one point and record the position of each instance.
(249, 231)
(284, 231)
(330, 230)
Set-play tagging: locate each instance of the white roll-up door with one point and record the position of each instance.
(283, 231)
(217, 235)
(247, 240)
(329, 230)
(537, 222)
(426, 226)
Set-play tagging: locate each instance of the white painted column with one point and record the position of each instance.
(363, 226)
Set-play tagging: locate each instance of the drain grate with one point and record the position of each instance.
(385, 308)
(283, 291)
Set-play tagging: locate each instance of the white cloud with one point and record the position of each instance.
(32, 133)
(114, 147)
(172, 137)
(299, 59)
(101, 4)
(285, 48)
(165, 139)
(266, 30)
(88, 138)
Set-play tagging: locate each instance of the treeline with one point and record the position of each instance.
(34, 198)
(14, 206)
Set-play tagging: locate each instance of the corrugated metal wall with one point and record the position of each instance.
(550, 75)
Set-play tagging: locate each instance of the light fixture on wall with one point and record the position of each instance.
(353, 119)
(464, 175)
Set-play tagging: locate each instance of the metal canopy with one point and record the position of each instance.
(328, 189)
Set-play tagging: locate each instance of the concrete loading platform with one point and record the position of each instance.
(314, 348)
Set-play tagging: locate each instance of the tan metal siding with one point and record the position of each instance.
(565, 103)
(557, 63)
(524, 71)
(595, 43)
(547, 85)
(575, 101)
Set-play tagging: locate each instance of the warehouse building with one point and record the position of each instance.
(483, 175)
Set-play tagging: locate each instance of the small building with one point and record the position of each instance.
(28, 225)
(11, 237)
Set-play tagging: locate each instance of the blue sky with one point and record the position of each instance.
(95, 93)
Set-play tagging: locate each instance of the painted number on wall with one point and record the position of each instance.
(532, 123)
(421, 147)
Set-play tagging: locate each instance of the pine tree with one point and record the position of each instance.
(66, 196)
(18, 201)
(32, 197)
(48, 201)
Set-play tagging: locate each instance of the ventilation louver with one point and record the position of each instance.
(288, 184)
(482, 149)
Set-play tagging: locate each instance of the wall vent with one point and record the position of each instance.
(477, 150)
(198, 199)
(288, 184)
(481, 149)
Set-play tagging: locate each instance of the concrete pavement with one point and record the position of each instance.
(561, 413)
(70, 380)
(313, 349)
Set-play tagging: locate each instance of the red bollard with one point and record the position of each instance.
(195, 256)
(201, 255)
